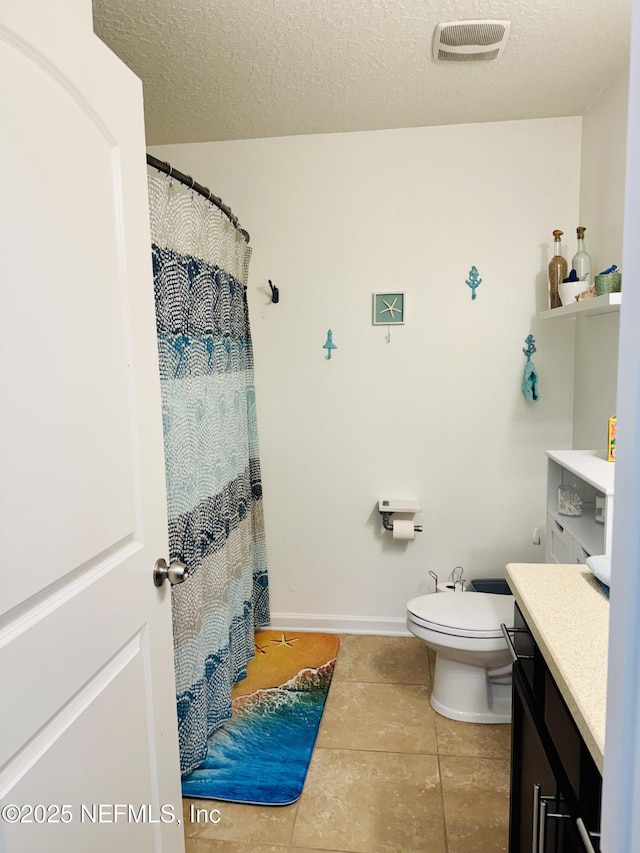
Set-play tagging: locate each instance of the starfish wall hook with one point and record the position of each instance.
(391, 308)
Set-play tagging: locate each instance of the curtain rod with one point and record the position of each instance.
(188, 181)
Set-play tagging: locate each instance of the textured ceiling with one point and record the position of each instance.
(236, 69)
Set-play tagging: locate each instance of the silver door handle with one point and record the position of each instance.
(509, 642)
(544, 815)
(506, 633)
(584, 835)
(535, 835)
(175, 573)
(542, 840)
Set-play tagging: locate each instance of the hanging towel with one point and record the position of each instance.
(530, 382)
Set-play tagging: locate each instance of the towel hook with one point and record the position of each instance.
(329, 345)
(531, 347)
(275, 292)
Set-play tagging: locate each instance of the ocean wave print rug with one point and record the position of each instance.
(262, 753)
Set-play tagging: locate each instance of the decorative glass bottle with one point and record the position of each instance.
(581, 262)
(557, 271)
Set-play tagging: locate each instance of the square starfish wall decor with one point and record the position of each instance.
(388, 309)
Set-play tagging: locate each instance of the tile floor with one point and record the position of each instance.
(388, 774)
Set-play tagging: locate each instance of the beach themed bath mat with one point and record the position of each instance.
(262, 753)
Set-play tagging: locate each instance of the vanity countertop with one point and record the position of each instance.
(568, 614)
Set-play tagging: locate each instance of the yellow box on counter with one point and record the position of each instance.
(611, 441)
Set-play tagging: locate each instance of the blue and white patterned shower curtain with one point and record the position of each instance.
(214, 490)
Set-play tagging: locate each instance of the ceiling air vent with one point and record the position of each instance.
(470, 41)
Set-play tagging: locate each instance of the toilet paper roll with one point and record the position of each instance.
(403, 530)
(448, 587)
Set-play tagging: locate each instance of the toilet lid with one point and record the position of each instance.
(469, 614)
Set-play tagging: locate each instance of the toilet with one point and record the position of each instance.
(472, 680)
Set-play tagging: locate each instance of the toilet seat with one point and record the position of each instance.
(472, 615)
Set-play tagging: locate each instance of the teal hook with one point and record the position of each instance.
(329, 344)
(474, 281)
(531, 347)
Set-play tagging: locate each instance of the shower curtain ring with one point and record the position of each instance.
(170, 168)
(192, 182)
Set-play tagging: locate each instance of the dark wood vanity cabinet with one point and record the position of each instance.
(555, 784)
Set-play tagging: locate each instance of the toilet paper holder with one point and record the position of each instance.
(386, 508)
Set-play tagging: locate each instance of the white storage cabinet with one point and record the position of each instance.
(571, 539)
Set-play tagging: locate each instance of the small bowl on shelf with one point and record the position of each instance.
(608, 283)
(568, 291)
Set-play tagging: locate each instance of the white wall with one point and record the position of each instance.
(602, 176)
(602, 182)
(436, 414)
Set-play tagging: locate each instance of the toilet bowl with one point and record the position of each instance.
(472, 680)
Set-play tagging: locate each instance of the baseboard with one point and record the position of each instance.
(386, 625)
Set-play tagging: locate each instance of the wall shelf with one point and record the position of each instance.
(571, 539)
(589, 465)
(597, 305)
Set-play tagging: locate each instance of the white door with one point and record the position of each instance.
(621, 791)
(88, 734)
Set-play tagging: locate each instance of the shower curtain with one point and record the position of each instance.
(214, 490)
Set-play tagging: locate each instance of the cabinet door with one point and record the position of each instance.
(531, 776)
(539, 819)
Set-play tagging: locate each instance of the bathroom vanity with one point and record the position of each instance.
(559, 641)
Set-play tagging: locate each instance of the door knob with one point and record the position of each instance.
(175, 573)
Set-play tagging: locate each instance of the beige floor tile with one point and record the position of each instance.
(205, 845)
(473, 739)
(393, 660)
(381, 717)
(476, 803)
(371, 802)
(241, 823)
